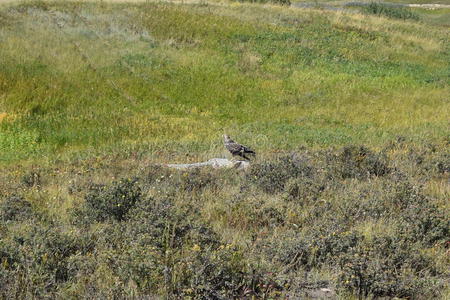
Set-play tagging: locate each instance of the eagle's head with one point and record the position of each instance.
(226, 138)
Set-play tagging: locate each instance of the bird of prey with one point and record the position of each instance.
(236, 149)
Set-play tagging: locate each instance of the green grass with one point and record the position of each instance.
(439, 17)
(116, 76)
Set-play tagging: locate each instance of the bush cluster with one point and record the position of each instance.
(358, 162)
(387, 266)
(267, 232)
(272, 176)
(35, 261)
(110, 203)
(15, 208)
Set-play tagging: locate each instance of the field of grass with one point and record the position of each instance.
(77, 77)
(349, 114)
(439, 17)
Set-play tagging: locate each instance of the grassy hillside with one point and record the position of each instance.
(75, 77)
(348, 113)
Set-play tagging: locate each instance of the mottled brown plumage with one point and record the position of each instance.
(237, 149)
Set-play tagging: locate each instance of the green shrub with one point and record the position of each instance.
(388, 267)
(165, 225)
(5, 19)
(35, 261)
(306, 251)
(159, 222)
(358, 162)
(246, 212)
(303, 189)
(32, 179)
(197, 180)
(279, 2)
(222, 273)
(440, 163)
(217, 274)
(425, 223)
(386, 197)
(191, 181)
(147, 248)
(391, 11)
(272, 176)
(15, 208)
(110, 203)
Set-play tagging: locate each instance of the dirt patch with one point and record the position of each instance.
(428, 6)
(2, 116)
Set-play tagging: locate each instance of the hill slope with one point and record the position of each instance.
(95, 96)
(81, 76)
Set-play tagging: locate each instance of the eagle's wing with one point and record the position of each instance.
(234, 148)
(237, 149)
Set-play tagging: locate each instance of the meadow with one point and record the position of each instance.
(82, 77)
(348, 112)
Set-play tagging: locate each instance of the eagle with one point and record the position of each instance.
(237, 149)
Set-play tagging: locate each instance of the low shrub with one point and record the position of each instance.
(35, 262)
(440, 164)
(357, 162)
(348, 221)
(164, 225)
(32, 179)
(382, 198)
(305, 251)
(251, 213)
(109, 202)
(388, 267)
(279, 2)
(191, 180)
(5, 19)
(390, 11)
(425, 223)
(217, 274)
(15, 208)
(197, 180)
(303, 189)
(272, 176)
